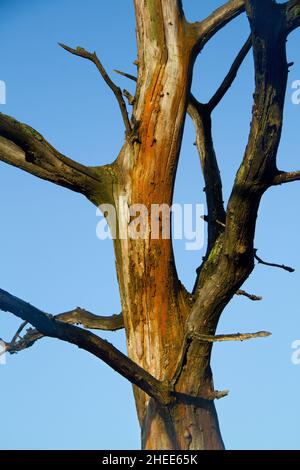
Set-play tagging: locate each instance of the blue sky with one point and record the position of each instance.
(53, 395)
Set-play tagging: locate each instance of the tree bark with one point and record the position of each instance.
(155, 305)
(192, 424)
(169, 331)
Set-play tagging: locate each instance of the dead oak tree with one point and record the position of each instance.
(169, 331)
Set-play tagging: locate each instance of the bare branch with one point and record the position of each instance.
(273, 265)
(208, 395)
(230, 77)
(256, 172)
(225, 85)
(25, 148)
(231, 337)
(252, 297)
(20, 344)
(292, 11)
(231, 260)
(201, 118)
(127, 75)
(92, 56)
(194, 336)
(218, 19)
(286, 177)
(50, 326)
(78, 316)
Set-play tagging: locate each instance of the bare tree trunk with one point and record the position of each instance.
(169, 331)
(189, 425)
(155, 304)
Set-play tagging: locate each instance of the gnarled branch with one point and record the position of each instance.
(25, 148)
(89, 320)
(50, 326)
(92, 56)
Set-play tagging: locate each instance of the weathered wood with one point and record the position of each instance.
(170, 331)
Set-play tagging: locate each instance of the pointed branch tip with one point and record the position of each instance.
(273, 265)
(127, 75)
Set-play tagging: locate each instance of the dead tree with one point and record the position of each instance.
(170, 331)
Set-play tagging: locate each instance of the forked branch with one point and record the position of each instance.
(92, 56)
(50, 326)
(74, 317)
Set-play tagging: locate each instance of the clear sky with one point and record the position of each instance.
(54, 396)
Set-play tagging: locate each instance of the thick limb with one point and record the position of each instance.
(25, 148)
